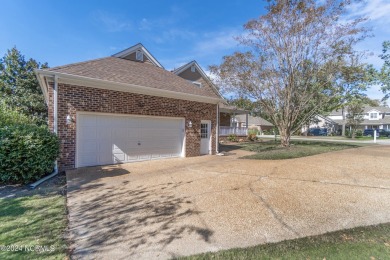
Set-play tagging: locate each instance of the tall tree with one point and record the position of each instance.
(19, 88)
(384, 73)
(295, 53)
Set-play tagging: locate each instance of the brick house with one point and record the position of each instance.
(127, 107)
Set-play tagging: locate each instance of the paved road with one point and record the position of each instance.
(175, 207)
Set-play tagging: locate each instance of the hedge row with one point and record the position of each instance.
(27, 151)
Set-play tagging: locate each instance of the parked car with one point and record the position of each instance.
(379, 132)
(384, 132)
(318, 131)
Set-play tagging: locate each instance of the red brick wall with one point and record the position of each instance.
(78, 98)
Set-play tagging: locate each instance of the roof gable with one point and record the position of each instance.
(130, 54)
(193, 72)
(373, 111)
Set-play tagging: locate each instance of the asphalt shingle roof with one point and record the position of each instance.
(367, 109)
(120, 70)
(253, 120)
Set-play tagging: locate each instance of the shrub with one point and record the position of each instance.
(27, 152)
(359, 133)
(10, 117)
(232, 138)
(252, 134)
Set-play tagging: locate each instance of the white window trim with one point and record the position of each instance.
(372, 116)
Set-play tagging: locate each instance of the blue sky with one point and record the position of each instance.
(175, 32)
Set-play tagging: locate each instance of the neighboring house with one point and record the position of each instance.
(373, 118)
(253, 122)
(322, 122)
(127, 108)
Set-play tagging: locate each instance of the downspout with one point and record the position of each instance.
(55, 116)
(55, 112)
(55, 130)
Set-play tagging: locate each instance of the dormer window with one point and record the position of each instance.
(192, 68)
(373, 115)
(139, 55)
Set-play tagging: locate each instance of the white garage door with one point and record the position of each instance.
(111, 139)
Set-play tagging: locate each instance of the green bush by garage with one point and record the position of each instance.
(27, 151)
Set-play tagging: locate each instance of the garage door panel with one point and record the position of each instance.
(87, 160)
(87, 120)
(89, 146)
(120, 157)
(88, 133)
(105, 159)
(119, 135)
(103, 133)
(109, 139)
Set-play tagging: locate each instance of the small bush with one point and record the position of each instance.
(232, 138)
(27, 152)
(359, 133)
(252, 135)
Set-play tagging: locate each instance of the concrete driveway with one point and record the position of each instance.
(175, 207)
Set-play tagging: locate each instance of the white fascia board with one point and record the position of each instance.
(136, 47)
(42, 84)
(202, 73)
(124, 87)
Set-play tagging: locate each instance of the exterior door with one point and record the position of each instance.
(205, 137)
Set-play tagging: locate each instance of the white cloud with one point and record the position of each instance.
(217, 41)
(174, 34)
(373, 9)
(113, 23)
(145, 25)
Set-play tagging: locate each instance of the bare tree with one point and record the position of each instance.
(295, 53)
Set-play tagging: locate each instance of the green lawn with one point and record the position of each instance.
(371, 242)
(269, 150)
(33, 225)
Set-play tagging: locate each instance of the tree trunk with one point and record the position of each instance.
(285, 136)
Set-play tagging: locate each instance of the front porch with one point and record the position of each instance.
(228, 124)
(228, 130)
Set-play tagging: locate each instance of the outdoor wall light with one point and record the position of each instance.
(69, 119)
(189, 123)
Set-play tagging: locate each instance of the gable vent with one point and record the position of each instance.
(198, 84)
(139, 55)
(192, 68)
